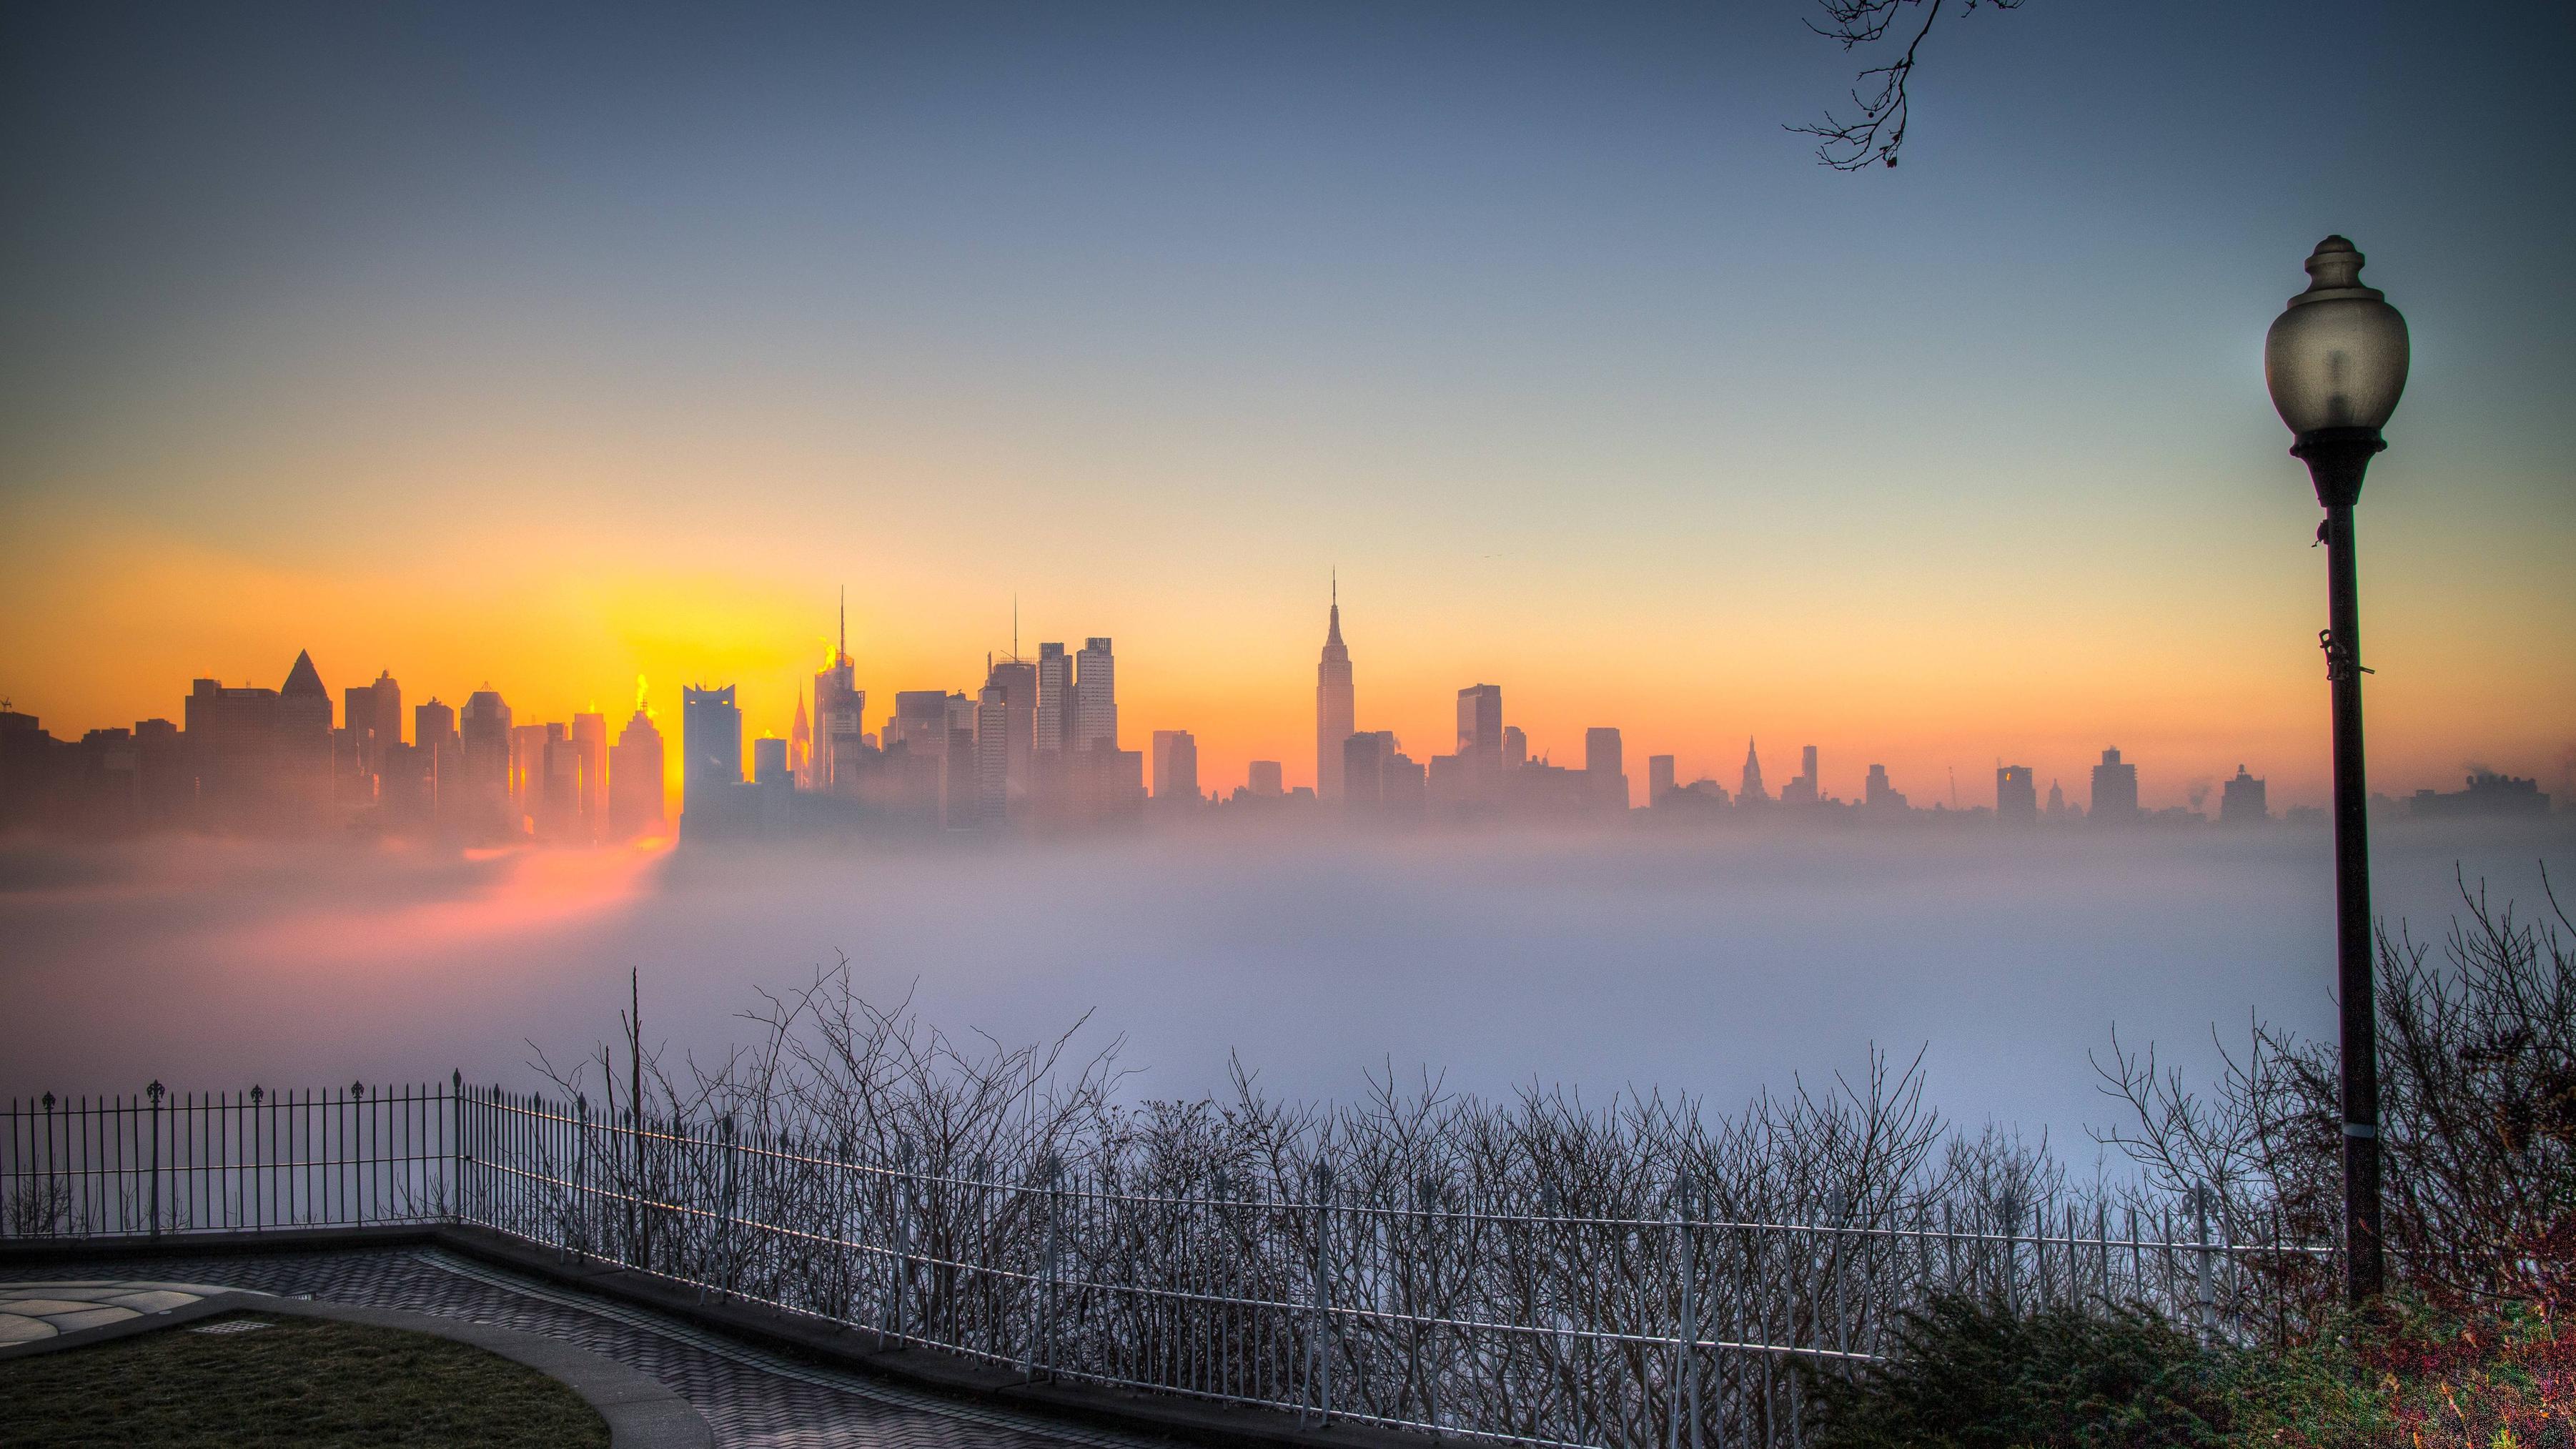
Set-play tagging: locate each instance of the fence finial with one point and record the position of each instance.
(155, 1090)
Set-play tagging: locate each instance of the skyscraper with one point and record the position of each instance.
(840, 709)
(2241, 801)
(1750, 788)
(1262, 778)
(1659, 778)
(1806, 789)
(2115, 791)
(590, 734)
(992, 755)
(800, 747)
(1480, 723)
(1879, 794)
(485, 730)
(1055, 699)
(1176, 766)
(635, 778)
(1095, 697)
(1364, 757)
(2016, 795)
(304, 734)
(710, 747)
(1605, 767)
(1333, 709)
(1018, 681)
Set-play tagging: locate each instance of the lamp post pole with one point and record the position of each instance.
(2335, 362)
(2336, 464)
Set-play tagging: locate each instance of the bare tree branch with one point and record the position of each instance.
(1876, 133)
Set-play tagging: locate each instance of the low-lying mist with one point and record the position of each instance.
(1714, 964)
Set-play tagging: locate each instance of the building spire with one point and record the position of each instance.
(843, 655)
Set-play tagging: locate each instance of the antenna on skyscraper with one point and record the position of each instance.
(845, 623)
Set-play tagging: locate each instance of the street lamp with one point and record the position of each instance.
(2335, 361)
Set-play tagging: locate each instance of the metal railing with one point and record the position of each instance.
(1513, 1321)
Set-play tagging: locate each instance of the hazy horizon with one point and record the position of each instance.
(1714, 964)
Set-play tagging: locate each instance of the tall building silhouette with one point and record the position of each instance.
(2016, 795)
(800, 747)
(1334, 718)
(1262, 778)
(590, 737)
(1605, 765)
(1749, 789)
(1879, 793)
(1055, 699)
(992, 755)
(635, 778)
(485, 731)
(1018, 681)
(1095, 697)
(1176, 766)
(710, 749)
(2241, 801)
(1659, 778)
(1480, 723)
(840, 710)
(2115, 791)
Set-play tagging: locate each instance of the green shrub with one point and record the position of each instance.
(1974, 1374)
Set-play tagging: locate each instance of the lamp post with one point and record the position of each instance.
(2335, 361)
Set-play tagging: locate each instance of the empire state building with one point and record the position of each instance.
(1332, 705)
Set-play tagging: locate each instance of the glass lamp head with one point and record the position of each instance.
(2336, 358)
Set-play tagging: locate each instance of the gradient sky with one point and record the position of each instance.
(556, 346)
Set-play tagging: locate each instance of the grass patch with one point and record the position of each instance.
(299, 1381)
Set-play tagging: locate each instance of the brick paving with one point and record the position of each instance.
(754, 1399)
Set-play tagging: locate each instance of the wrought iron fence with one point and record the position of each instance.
(1514, 1319)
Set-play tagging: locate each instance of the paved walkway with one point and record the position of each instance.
(30, 1311)
(753, 1398)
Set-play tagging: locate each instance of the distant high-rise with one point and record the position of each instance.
(1879, 793)
(2016, 795)
(2056, 801)
(1363, 759)
(1659, 778)
(441, 763)
(2241, 802)
(1176, 766)
(1333, 707)
(769, 762)
(590, 734)
(992, 755)
(1095, 697)
(1750, 788)
(1018, 681)
(2115, 791)
(800, 747)
(1515, 747)
(1055, 699)
(1263, 778)
(1806, 789)
(635, 778)
(710, 747)
(485, 730)
(1480, 723)
(840, 713)
(304, 734)
(1604, 765)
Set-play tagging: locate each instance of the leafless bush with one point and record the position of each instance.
(2478, 1117)
(1537, 1267)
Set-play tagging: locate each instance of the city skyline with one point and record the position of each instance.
(1539, 328)
(1036, 742)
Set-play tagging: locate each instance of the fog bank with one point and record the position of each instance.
(1715, 964)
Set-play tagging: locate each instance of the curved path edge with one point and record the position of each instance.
(641, 1413)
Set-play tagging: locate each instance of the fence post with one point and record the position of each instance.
(456, 1145)
(577, 1224)
(1686, 1338)
(154, 1222)
(1324, 1337)
(1042, 1315)
(2200, 1203)
(899, 1289)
